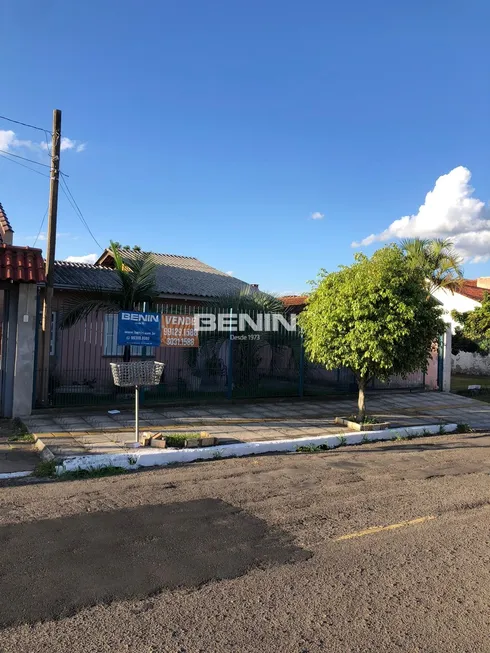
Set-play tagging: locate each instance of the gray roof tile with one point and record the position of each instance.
(175, 275)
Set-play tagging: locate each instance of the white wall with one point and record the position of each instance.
(466, 362)
(454, 302)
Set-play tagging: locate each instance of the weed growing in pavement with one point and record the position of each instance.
(368, 419)
(365, 439)
(217, 455)
(442, 430)
(312, 448)
(19, 432)
(132, 460)
(94, 472)
(464, 428)
(342, 441)
(45, 469)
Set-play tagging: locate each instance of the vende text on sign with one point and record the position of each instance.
(178, 331)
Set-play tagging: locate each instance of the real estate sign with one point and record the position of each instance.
(179, 331)
(141, 329)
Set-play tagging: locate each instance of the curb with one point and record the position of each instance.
(15, 475)
(146, 457)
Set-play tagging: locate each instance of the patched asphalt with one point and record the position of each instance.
(267, 571)
(86, 559)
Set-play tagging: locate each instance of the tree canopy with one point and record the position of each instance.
(474, 335)
(374, 317)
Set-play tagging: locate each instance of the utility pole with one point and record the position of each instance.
(50, 251)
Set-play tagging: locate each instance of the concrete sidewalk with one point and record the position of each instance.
(97, 432)
(17, 457)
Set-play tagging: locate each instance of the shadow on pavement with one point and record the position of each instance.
(52, 568)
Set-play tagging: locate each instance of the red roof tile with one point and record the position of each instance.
(21, 264)
(470, 289)
(294, 303)
(294, 300)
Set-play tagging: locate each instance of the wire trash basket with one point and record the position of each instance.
(138, 373)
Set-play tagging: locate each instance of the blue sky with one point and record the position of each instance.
(217, 129)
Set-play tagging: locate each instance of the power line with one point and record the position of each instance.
(25, 124)
(24, 166)
(77, 209)
(41, 227)
(17, 156)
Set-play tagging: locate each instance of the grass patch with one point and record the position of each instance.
(178, 439)
(95, 472)
(22, 437)
(460, 382)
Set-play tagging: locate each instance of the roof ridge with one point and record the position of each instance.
(132, 251)
(77, 264)
(4, 218)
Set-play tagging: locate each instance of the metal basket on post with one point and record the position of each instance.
(137, 374)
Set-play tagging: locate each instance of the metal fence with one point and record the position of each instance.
(259, 364)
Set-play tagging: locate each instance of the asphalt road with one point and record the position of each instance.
(274, 553)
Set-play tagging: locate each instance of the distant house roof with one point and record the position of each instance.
(175, 275)
(295, 303)
(470, 289)
(21, 264)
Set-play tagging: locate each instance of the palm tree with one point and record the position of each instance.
(439, 261)
(136, 276)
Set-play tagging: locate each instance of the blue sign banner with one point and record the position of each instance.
(141, 329)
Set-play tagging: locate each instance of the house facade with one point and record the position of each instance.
(467, 298)
(80, 355)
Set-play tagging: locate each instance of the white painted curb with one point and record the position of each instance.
(14, 475)
(148, 457)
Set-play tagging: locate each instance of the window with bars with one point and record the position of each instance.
(111, 348)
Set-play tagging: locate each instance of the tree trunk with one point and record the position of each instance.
(127, 354)
(361, 402)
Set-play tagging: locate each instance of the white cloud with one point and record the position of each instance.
(9, 141)
(449, 211)
(230, 273)
(316, 215)
(88, 258)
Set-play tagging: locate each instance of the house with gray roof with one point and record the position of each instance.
(80, 355)
(182, 278)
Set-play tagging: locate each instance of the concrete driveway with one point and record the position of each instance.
(97, 432)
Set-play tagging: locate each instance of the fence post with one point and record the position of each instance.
(229, 393)
(440, 363)
(36, 351)
(301, 387)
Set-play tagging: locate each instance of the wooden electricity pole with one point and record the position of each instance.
(51, 250)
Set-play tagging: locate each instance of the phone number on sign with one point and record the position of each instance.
(180, 342)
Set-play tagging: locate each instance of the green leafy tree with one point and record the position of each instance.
(374, 317)
(437, 259)
(136, 275)
(474, 334)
